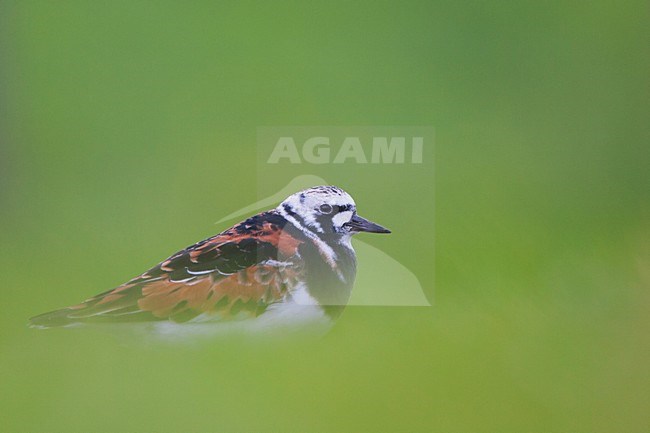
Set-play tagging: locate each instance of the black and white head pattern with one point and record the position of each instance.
(321, 209)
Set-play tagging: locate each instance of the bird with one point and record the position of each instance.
(293, 263)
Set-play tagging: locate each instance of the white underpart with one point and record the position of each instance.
(291, 314)
(300, 295)
(281, 319)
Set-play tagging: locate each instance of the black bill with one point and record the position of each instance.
(358, 224)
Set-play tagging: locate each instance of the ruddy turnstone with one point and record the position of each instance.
(296, 255)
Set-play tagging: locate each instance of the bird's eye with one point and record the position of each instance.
(325, 208)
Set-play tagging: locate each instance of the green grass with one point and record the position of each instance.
(128, 128)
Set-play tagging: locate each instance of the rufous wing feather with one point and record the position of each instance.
(239, 272)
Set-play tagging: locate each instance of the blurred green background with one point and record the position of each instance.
(129, 127)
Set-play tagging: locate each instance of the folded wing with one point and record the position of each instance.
(237, 273)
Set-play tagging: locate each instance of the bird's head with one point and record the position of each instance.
(327, 210)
